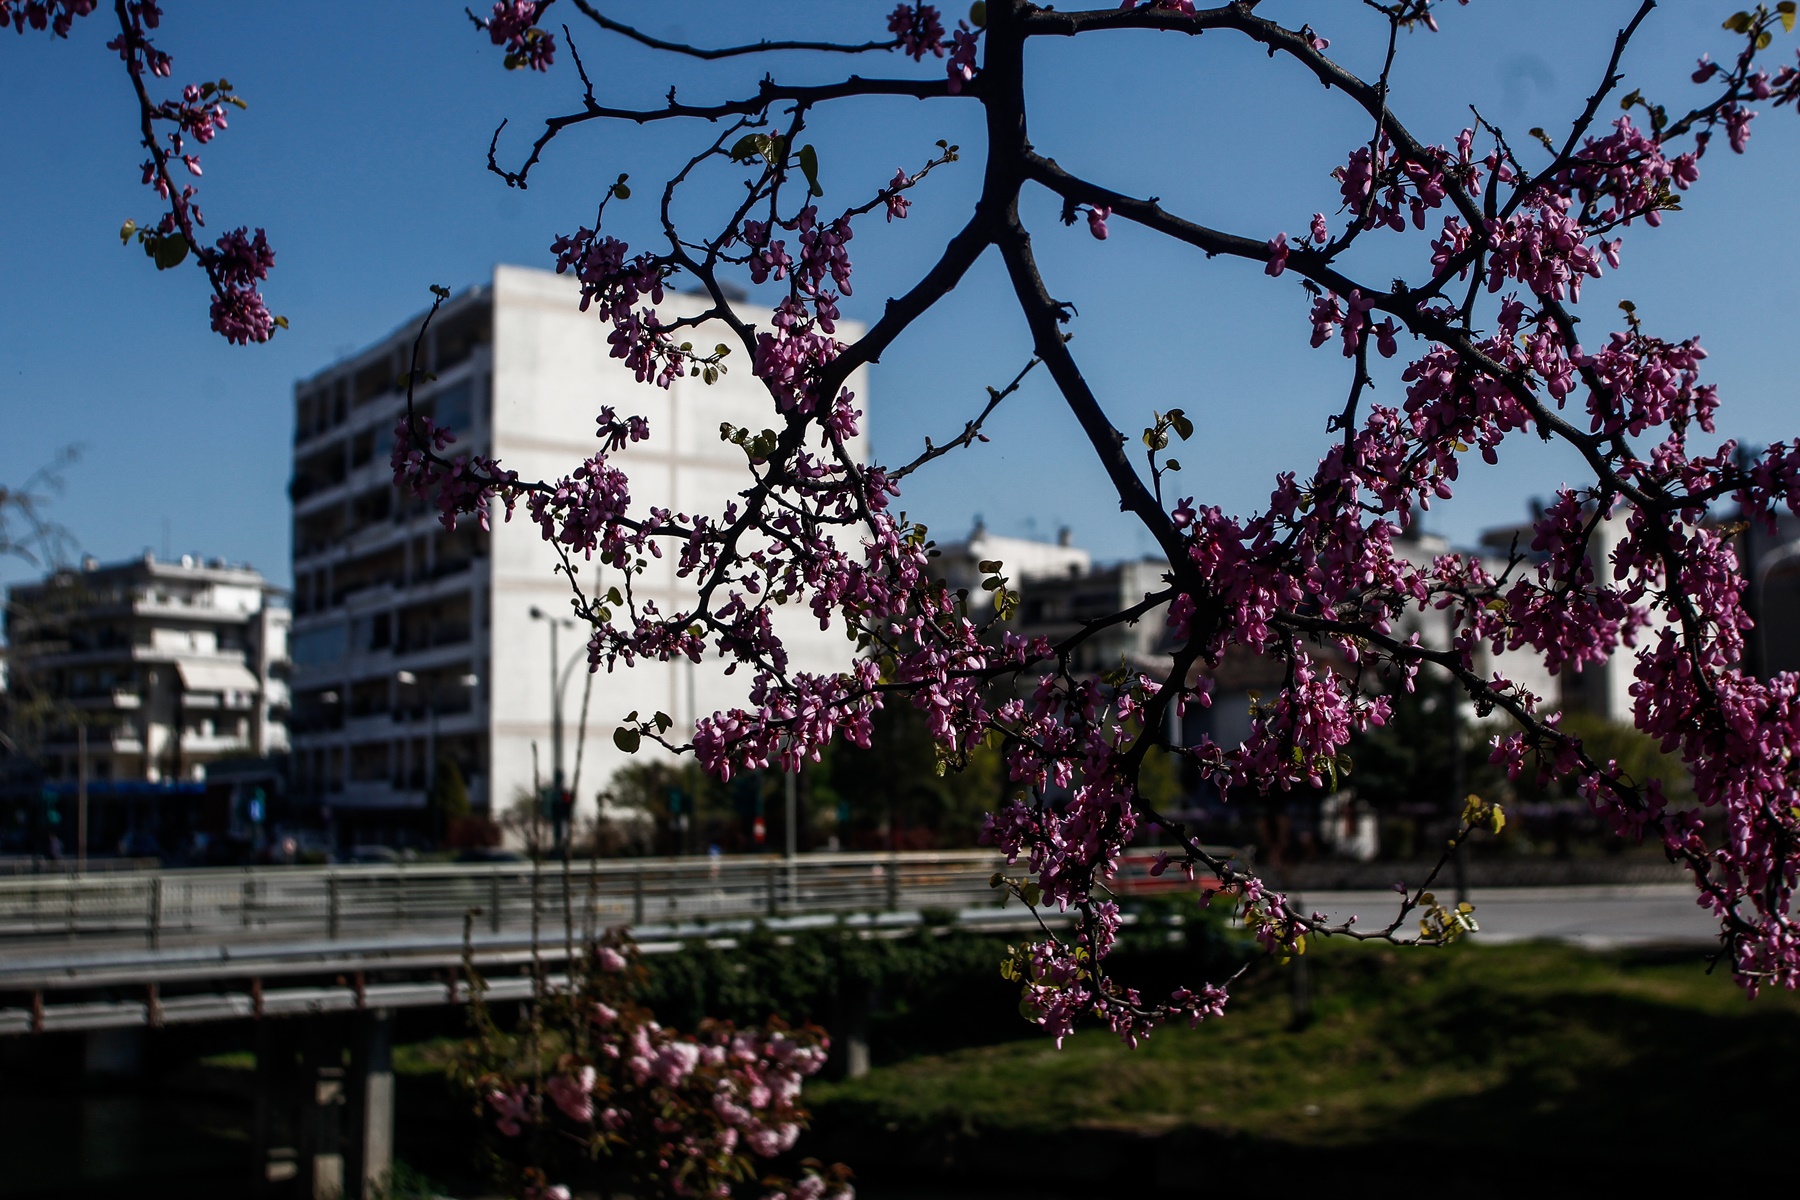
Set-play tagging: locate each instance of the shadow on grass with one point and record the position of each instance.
(1527, 1071)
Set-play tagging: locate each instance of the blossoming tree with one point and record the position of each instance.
(1504, 232)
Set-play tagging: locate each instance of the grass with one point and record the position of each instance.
(1469, 1048)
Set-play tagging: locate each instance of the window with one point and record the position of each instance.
(323, 645)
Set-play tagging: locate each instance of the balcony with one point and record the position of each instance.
(111, 700)
(213, 744)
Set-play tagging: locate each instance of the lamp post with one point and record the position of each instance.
(559, 682)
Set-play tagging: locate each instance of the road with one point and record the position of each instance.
(1596, 918)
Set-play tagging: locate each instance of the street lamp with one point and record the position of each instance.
(559, 682)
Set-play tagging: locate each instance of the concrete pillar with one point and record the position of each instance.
(849, 1028)
(369, 1148)
(300, 1102)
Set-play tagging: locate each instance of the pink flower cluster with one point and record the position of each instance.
(459, 486)
(56, 15)
(513, 24)
(677, 1111)
(918, 30)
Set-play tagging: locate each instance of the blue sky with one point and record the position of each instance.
(362, 155)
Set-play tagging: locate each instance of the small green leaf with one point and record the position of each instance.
(978, 14)
(440, 291)
(1183, 427)
(1031, 893)
(170, 252)
(809, 167)
(1737, 22)
(1174, 464)
(621, 191)
(627, 740)
(751, 145)
(125, 232)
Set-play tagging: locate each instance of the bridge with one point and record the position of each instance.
(150, 948)
(105, 959)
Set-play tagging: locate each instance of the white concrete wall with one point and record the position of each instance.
(552, 375)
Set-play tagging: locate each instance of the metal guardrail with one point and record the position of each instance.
(22, 865)
(221, 906)
(157, 947)
(230, 905)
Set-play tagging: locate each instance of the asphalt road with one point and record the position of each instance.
(1594, 917)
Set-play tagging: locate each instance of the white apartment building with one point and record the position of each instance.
(1021, 560)
(408, 636)
(171, 666)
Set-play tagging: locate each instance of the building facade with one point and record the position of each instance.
(416, 645)
(132, 680)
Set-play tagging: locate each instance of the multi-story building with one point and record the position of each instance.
(168, 667)
(416, 645)
(1021, 560)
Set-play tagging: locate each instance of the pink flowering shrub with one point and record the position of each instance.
(593, 1085)
(1493, 240)
(236, 263)
(1505, 238)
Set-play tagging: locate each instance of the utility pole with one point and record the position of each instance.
(559, 681)
(81, 768)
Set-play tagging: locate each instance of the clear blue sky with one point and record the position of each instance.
(362, 154)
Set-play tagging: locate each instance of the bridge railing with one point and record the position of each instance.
(364, 901)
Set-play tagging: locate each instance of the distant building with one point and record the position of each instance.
(414, 643)
(1061, 606)
(1022, 559)
(170, 666)
(1771, 566)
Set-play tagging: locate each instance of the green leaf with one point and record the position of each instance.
(170, 252)
(125, 232)
(664, 721)
(440, 291)
(1183, 426)
(809, 167)
(989, 564)
(751, 145)
(1737, 22)
(627, 740)
(621, 191)
(978, 14)
(1031, 894)
(1174, 464)
(1787, 10)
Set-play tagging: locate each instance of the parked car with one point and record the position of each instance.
(490, 854)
